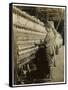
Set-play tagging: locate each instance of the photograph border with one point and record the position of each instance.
(11, 46)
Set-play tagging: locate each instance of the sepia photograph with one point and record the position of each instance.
(37, 44)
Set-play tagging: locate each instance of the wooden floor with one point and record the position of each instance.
(58, 71)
